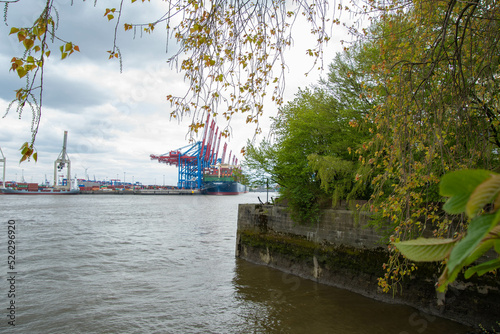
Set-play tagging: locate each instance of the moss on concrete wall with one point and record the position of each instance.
(343, 251)
(331, 257)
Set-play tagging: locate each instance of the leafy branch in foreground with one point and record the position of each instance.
(477, 194)
(232, 53)
(35, 40)
(28, 151)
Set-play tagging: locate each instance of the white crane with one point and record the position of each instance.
(3, 161)
(61, 162)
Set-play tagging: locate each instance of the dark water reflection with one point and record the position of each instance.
(276, 302)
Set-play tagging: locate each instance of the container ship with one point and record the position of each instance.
(222, 180)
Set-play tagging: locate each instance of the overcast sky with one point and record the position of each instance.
(114, 120)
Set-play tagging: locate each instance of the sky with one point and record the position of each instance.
(114, 120)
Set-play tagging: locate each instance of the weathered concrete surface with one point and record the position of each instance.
(336, 226)
(342, 251)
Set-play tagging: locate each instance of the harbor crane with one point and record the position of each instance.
(61, 162)
(193, 159)
(3, 161)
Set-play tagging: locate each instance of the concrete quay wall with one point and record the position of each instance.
(343, 251)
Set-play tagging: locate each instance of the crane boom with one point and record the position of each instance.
(61, 162)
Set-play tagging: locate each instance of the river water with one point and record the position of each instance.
(164, 264)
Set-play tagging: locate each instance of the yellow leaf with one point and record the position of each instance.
(13, 30)
(21, 72)
(29, 67)
(19, 93)
(28, 43)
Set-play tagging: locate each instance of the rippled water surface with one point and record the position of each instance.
(165, 264)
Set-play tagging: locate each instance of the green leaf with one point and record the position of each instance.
(495, 234)
(482, 248)
(478, 228)
(482, 268)
(483, 194)
(456, 204)
(426, 250)
(462, 181)
(35, 156)
(459, 185)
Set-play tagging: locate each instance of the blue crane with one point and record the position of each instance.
(193, 159)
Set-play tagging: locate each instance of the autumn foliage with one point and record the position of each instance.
(426, 73)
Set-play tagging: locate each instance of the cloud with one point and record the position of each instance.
(114, 120)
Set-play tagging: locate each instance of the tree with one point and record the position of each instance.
(350, 84)
(436, 75)
(259, 163)
(299, 135)
(314, 137)
(35, 40)
(231, 53)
